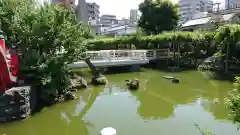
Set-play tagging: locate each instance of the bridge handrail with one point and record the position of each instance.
(117, 54)
(130, 54)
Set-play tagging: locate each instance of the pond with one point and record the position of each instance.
(159, 107)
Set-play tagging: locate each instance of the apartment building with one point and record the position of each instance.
(108, 20)
(133, 15)
(189, 7)
(93, 11)
(123, 21)
(232, 4)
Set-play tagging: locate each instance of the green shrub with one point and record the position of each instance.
(48, 38)
(233, 102)
(188, 42)
(227, 37)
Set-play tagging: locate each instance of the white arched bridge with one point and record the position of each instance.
(108, 58)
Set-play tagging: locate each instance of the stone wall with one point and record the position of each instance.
(15, 104)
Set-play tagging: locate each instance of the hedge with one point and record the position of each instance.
(198, 39)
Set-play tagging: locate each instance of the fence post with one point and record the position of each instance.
(154, 54)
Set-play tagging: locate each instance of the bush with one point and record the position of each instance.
(48, 38)
(188, 42)
(227, 37)
(233, 102)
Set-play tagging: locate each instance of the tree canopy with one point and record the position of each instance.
(158, 16)
(48, 37)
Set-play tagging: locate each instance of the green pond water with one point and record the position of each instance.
(159, 107)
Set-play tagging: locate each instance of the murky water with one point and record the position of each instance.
(158, 108)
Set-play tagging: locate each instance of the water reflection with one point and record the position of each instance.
(159, 107)
(159, 101)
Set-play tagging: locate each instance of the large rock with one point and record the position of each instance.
(132, 84)
(15, 104)
(99, 81)
(77, 83)
(69, 96)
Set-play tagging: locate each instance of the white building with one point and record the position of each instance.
(120, 30)
(133, 15)
(189, 7)
(123, 21)
(232, 4)
(108, 20)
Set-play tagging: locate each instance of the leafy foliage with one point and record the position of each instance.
(228, 36)
(188, 42)
(158, 16)
(48, 38)
(233, 102)
(203, 131)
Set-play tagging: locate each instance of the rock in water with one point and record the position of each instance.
(78, 82)
(132, 84)
(15, 104)
(99, 81)
(175, 80)
(69, 96)
(168, 77)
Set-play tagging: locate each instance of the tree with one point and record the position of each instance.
(158, 16)
(49, 38)
(233, 102)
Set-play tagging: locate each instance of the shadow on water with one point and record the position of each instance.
(218, 76)
(159, 101)
(168, 68)
(121, 69)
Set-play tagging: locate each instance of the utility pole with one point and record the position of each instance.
(218, 6)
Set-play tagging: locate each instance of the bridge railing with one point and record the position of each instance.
(153, 54)
(117, 54)
(128, 54)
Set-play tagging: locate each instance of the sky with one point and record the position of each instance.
(121, 8)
